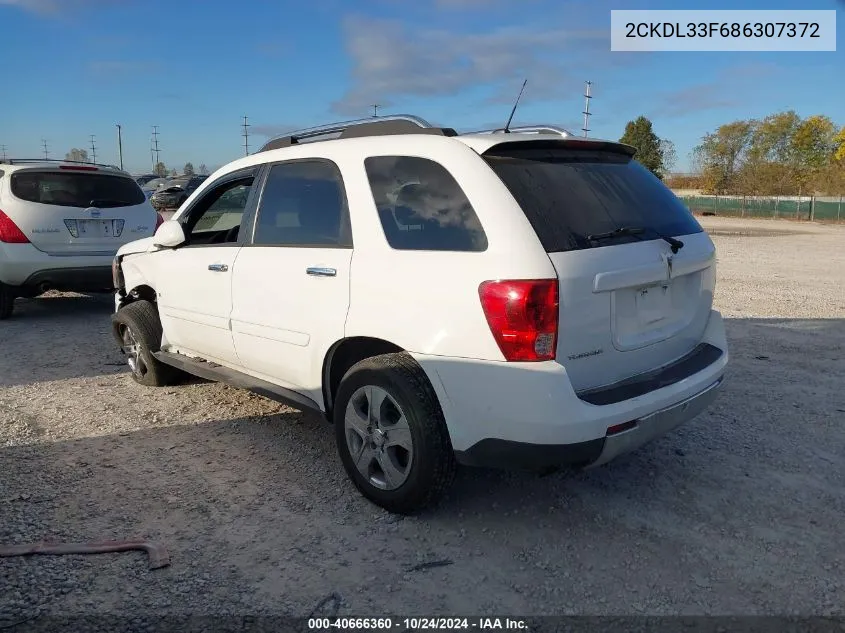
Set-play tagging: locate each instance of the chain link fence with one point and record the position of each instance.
(822, 209)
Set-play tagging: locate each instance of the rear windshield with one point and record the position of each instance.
(76, 189)
(569, 195)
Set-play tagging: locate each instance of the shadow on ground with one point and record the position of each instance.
(737, 512)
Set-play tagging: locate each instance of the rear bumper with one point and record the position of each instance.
(527, 414)
(493, 453)
(24, 265)
(656, 424)
(90, 279)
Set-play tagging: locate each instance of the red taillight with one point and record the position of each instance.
(9, 231)
(159, 220)
(523, 316)
(619, 428)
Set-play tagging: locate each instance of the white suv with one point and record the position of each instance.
(506, 299)
(61, 223)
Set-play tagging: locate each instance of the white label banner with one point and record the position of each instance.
(705, 30)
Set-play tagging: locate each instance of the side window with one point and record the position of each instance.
(216, 217)
(422, 207)
(303, 204)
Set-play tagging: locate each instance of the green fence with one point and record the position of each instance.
(826, 209)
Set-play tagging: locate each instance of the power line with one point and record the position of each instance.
(93, 150)
(245, 134)
(46, 151)
(586, 113)
(155, 148)
(119, 144)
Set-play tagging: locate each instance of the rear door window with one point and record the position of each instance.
(422, 207)
(303, 204)
(569, 195)
(76, 189)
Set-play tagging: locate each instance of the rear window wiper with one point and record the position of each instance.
(107, 202)
(675, 244)
(621, 231)
(635, 230)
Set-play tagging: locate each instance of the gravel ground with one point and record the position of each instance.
(737, 512)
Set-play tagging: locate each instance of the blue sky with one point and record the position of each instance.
(73, 68)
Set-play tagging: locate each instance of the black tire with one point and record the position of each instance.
(139, 321)
(7, 301)
(432, 467)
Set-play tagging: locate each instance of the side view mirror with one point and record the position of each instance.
(169, 235)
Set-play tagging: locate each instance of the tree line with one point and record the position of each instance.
(161, 170)
(779, 155)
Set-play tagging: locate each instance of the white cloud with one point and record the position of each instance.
(390, 61)
(57, 7)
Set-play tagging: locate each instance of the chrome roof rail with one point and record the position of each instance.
(371, 126)
(35, 161)
(528, 129)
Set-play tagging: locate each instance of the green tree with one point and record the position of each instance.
(722, 155)
(77, 155)
(203, 169)
(173, 173)
(814, 142)
(670, 156)
(188, 170)
(839, 154)
(813, 148)
(160, 170)
(772, 138)
(639, 133)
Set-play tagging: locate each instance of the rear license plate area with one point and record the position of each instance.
(96, 228)
(654, 304)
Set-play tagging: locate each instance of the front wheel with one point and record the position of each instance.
(138, 329)
(391, 434)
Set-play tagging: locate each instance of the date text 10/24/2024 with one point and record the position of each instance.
(417, 624)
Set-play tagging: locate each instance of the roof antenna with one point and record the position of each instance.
(510, 118)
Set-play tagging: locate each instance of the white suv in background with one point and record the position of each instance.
(508, 299)
(61, 224)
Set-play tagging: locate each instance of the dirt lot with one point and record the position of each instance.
(739, 512)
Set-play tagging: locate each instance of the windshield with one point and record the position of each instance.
(76, 189)
(568, 195)
(155, 184)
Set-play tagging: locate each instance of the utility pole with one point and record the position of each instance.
(156, 160)
(376, 106)
(46, 151)
(245, 134)
(119, 144)
(586, 113)
(93, 150)
(3, 149)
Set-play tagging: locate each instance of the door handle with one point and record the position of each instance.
(218, 268)
(321, 272)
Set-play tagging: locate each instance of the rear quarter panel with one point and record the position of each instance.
(427, 301)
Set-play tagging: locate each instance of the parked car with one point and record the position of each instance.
(143, 180)
(175, 192)
(516, 300)
(154, 185)
(61, 224)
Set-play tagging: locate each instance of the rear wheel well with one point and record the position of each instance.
(343, 355)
